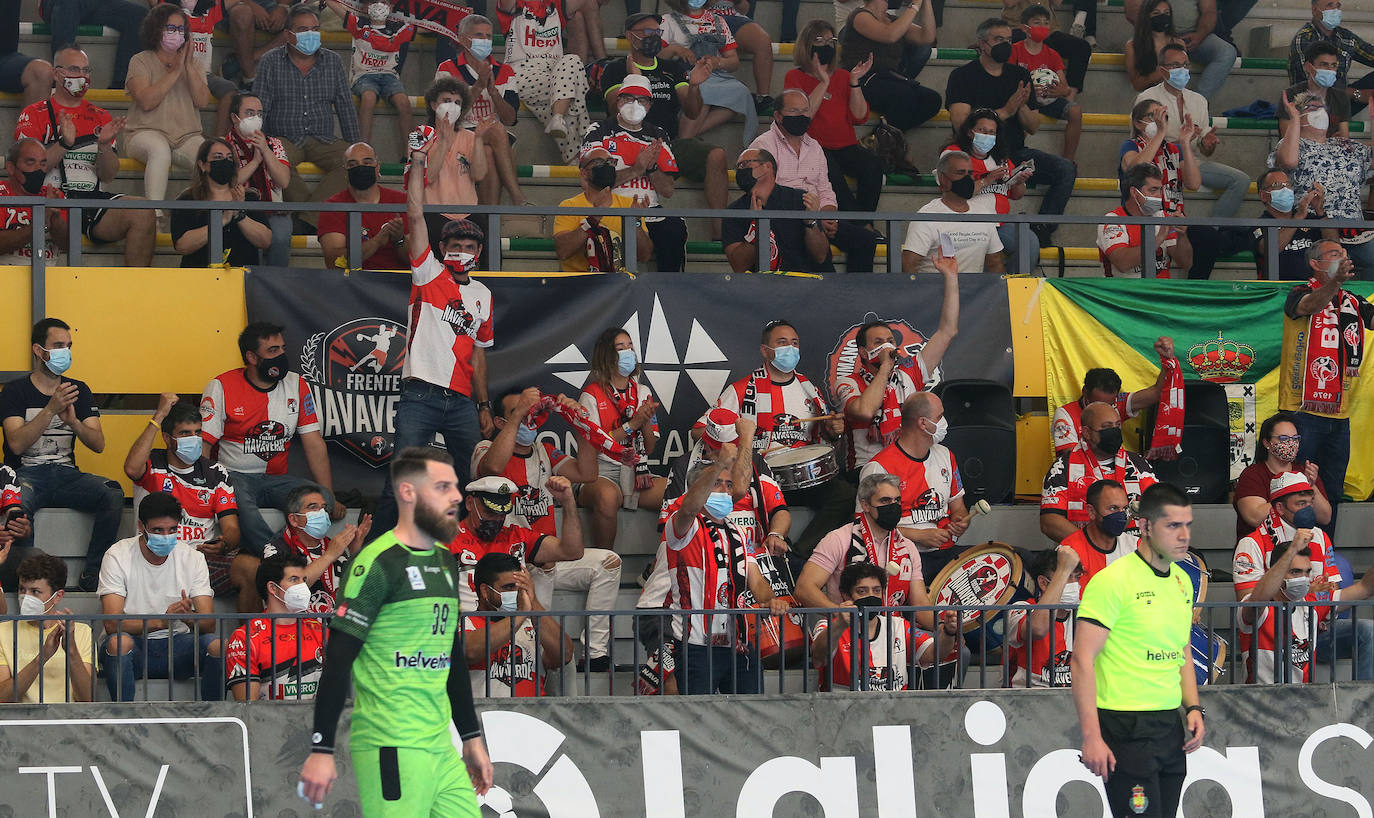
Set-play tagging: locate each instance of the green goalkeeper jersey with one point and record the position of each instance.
(403, 605)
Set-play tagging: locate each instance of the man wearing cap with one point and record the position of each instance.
(1098, 456)
(1293, 522)
(644, 165)
(484, 530)
(517, 455)
(780, 401)
(590, 242)
(933, 511)
(449, 327)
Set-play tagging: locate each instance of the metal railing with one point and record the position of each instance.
(977, 655)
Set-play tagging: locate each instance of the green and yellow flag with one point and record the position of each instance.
(1227, 332)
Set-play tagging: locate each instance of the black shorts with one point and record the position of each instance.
(1150, 762)
(91, 216)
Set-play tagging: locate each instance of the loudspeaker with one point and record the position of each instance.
(974, 402)
(982, 435)
(1203, 469)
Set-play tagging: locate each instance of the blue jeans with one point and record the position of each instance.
(1342, 636)
(58, 486)
(63, 17)
(257, 491)
(1012, 248)
(1230, 185)
(1326, 442)
(1219, 57)
(719, 670)
(424, 411)
(122, 670)
(1054, 172)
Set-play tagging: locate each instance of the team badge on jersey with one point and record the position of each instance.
(1139, 803)
(354, 375)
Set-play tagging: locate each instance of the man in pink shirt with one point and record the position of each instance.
(802, 165)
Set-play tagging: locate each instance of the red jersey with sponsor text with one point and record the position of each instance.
(865, 436)
(203, 490)
(625, 145)
(200, 29)
(510, 669)
(929, 484)
(447, 322)
(77, 172)
(1068, 420)
(252, 429)
(778, 409)
(1043, 674)
(282, 656)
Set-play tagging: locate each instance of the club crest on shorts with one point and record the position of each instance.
(1139, 803)
(354, 374)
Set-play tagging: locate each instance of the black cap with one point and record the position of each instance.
(640, 17)
(1364, 83)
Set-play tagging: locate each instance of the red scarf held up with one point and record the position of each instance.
(1167, 441)
(579, 419)
(1335, 350)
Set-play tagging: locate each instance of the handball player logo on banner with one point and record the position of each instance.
(354, 372)
(844, 356)
(530, 743)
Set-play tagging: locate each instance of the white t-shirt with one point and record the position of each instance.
(972, 241)
(148, 589)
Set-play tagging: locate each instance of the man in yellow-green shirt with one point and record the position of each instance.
(1132, 665)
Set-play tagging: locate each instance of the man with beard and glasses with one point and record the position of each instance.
(444, 379)
(485, 530)
(397, 636)
(1098, 456)
(248, 419)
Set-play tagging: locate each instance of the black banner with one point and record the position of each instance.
(695, 333)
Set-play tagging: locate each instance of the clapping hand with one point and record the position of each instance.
(859, 71)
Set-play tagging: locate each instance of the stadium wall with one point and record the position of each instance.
(1269, 751)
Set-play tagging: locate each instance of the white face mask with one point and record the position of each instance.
(76, 86)
(448, 112)
(1073, 593)
(30, 605)
(941, 428)
(1319, 120)
(250, 125)
(1296, 587)
(1151, 130)
(633, 113)
(296, 598)
(1151, 205)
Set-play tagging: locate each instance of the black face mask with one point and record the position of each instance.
(650, 46)
(824, 53)
(888, 516)
(362, 177)
(1000, 52)
(1113, 524)
(272, 369)
(33, 181)
(488, 529)
(796, 124)
(744, 178)
(963, 188)
(1161, 23)
(1108, 441)
(223, 171)
(602, 176)
(869, 605)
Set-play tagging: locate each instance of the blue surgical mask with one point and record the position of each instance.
(508, 601)
(1282, 199)
(1325, 77)
(1305, 518)
(161, 544)
(625, 361)
(1331, 18)
(1178, 77)
(307, 42)
(696, 4)
(786, 358)
(720, 504)
(481, 49)
(59, 360)
(316, 523)
(525, 435)
(984, 142)
(189, 449)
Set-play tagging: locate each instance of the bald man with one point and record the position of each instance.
(1098, 456)
(933, 511)
(383, 233)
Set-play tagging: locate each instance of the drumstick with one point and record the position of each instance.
(980, 507)
(835, 416)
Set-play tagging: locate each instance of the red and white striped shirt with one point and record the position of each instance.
(929, 485)
(864, 438)
(252, 429)
(709, 568)
(447, 322)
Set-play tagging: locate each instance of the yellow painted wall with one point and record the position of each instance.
(15, 324)
(121, 431)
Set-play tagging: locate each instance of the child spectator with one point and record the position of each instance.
(377, 56)
(1054, 97)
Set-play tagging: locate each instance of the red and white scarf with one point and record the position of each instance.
(864, 548)
(888, 420)
(1335, 350)
(580, 420)
(626, 403)
(1167, 440)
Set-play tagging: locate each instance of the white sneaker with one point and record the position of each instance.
(557, 127)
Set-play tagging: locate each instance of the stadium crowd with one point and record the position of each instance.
(657, 113)
(885, 521)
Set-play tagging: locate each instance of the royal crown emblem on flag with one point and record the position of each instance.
(1221, 360)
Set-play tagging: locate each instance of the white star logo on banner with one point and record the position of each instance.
(661, 363)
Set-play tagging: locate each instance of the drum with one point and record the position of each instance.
(987, 574)
(1209, 660)
(1196, 568)
(802, 467)
(776, 643)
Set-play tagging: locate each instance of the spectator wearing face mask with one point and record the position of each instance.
(1276, 453)
(164, 583)
(383, 233)
(1297, 225)
(594, 242)
(997, 182)
(1040, 643)
(1325, 27)
(1321, 66)
(304, 537)
(1193, 23)
(168, 88)
(976, 246)
(250, 417)
(501, 649)
(1105, 538)
(44, 660)
(243, 235)
(1098, 456)
(1153, 29)
(264, 170)
(375, 70)
(1288, 579)
(794, 245)
(691, 32)
(1119, 245)
(462, 162)
(201, 18)
(278, 658)
(26, 168)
